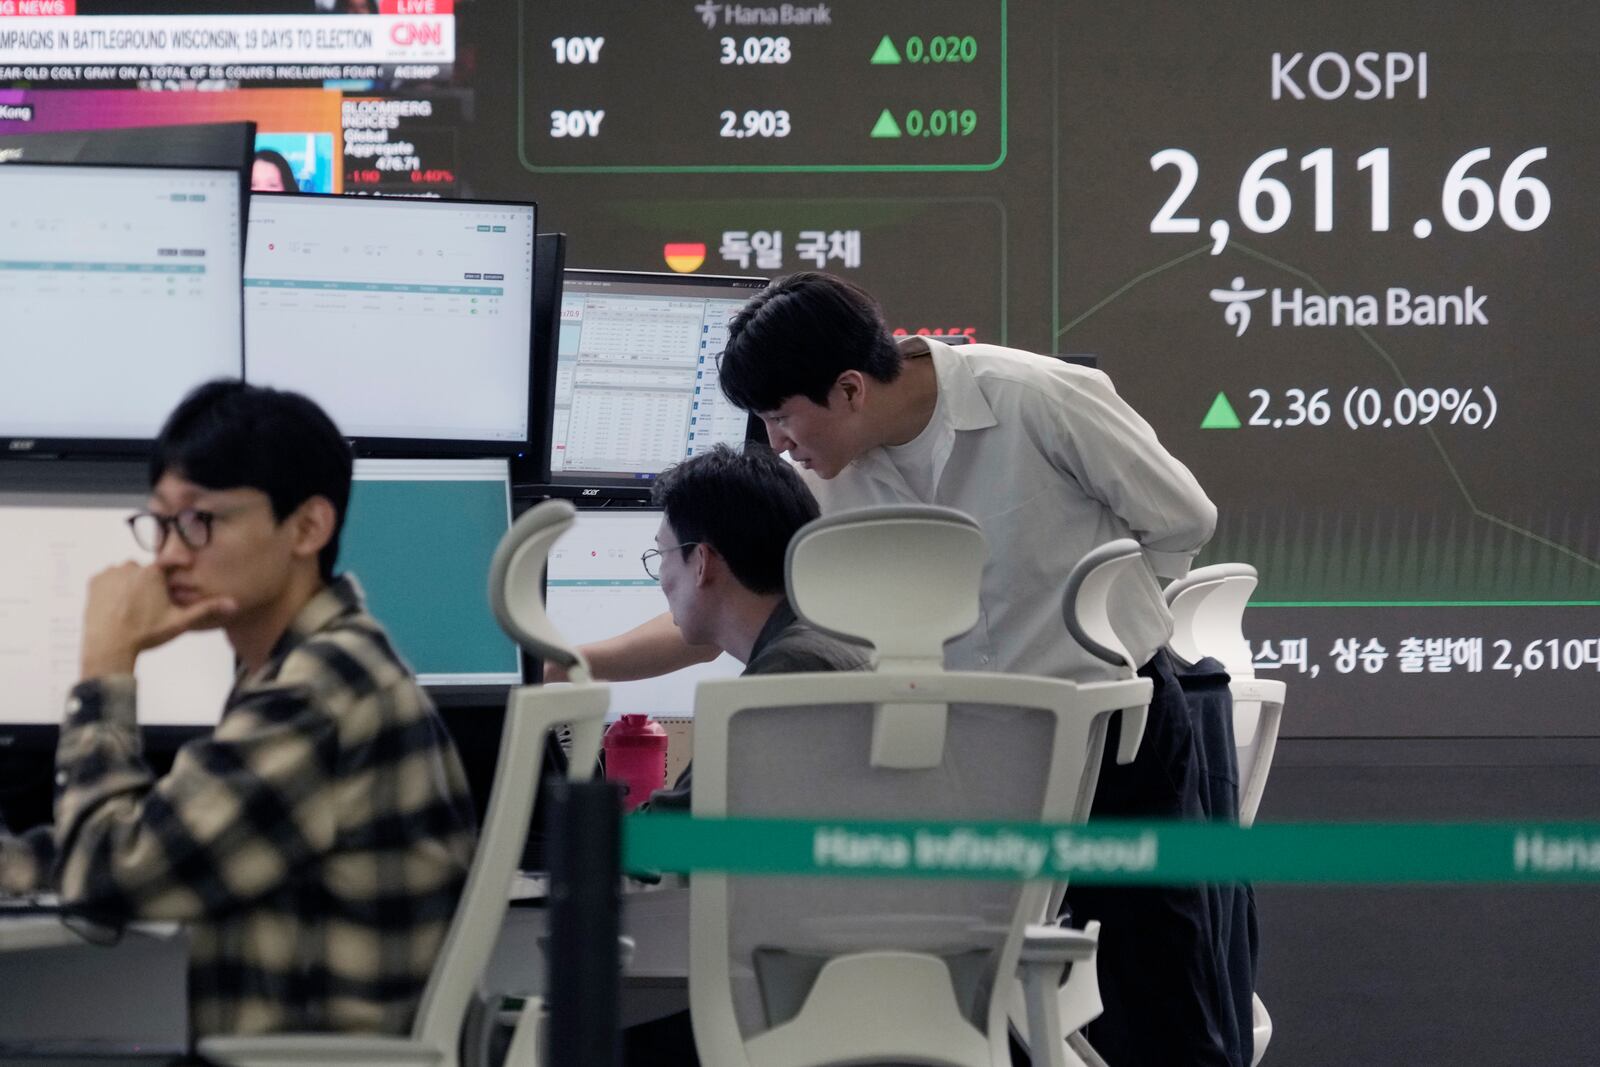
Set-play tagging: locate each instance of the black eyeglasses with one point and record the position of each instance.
(651, 558)
(150, 529)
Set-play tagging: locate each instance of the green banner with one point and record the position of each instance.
(1129, 853)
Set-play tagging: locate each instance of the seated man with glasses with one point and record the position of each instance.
(318, 839)
(726, 523)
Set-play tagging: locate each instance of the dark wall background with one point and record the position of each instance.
(1478, 532)
(1431, 975)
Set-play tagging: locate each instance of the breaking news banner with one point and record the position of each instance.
(61, 42)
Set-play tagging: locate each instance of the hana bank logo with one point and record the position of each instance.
(708, 13)
(1235, 303)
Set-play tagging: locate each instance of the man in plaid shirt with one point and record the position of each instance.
(317, 841)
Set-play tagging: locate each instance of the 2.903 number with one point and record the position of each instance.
(755, 124)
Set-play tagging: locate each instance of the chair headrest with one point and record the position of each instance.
(1208, 615)
(516, 581)
(1206, 576)
(904, 578)
(1116, 568)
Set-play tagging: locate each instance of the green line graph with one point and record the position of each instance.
(1411, 560)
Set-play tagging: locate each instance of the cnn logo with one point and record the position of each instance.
(408, 34)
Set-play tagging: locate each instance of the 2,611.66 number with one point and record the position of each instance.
(1467, 201)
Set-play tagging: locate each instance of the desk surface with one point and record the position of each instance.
(18, 933)
(21, 932)
(61, 996)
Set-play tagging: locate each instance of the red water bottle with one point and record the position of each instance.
(636, 756)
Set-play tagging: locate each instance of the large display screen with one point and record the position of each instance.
(404, 319)
(1362, 232)
(119, 292)
(1344, 281)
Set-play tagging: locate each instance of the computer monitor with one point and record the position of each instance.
(54, 543)
(635, 378)
(596, 587)
(419, 536)
(119, 292)
(201, 144)
(409, 321)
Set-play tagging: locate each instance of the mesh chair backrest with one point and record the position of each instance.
(813, 763)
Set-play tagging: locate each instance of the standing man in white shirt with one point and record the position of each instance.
(1045, 455)
(1052, 463)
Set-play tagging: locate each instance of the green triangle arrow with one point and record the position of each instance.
(887, 52)
(886, 126)
(1221, 416)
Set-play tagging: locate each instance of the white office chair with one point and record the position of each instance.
(1113, 573)
(803, 972)
(532, 712)
(1208, 618)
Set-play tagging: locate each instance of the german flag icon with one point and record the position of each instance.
(684, 257)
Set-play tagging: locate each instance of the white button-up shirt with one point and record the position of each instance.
(1052, 463)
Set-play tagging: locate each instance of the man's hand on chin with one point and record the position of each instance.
(129, 611)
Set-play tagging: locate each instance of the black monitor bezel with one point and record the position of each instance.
(16, 446)
(585, 487)
(436, 447)
(549, 257)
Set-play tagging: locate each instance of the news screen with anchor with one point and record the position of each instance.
(348, 95)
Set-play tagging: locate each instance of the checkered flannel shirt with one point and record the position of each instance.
(316, 842)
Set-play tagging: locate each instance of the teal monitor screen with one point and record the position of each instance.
(419, 537)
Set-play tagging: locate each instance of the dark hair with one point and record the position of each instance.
(285, 172)
(798, 335)
(229, 435)
(746, 505)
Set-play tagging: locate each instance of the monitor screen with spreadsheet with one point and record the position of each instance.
(596, 587)
(409, 321)
(119, 292)
(635, 377)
